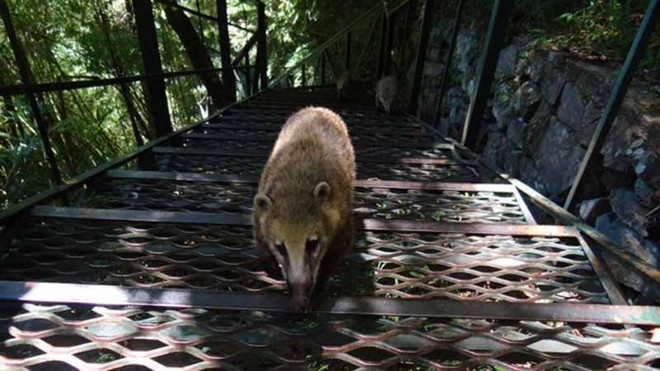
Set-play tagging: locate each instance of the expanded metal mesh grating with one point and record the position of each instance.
(230, 165)
(352, 119)
(137, 254)
(441, 206)
(386, 264)
(262, 148)
(446, 206)
(494, 259)
(80, 337)
(358, 138)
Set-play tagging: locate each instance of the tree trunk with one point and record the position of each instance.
(197, 54)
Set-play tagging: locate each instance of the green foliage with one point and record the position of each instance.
(22, 164)
(602, 29)
(85, 40)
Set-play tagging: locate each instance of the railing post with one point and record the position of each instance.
(616, 98)
(381, 46)
(447, 68)
(389, 40)
(26, 77)
(323, 68)
(303, 76)
(248, 80)
(155, 88)
(347, 61)
(487, 64)
(420, 55)
(262, 56)
(229, 81)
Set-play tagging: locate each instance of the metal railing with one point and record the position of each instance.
(153, 77)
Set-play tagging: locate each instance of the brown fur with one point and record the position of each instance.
(292, 205)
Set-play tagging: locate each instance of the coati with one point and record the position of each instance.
(386, 93)
(303, 208)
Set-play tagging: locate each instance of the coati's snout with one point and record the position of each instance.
(301, 290)
(298, 241)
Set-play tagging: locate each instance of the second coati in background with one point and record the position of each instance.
(386, 93)
(303, 209)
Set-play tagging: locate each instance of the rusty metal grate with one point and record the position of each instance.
(448, 206)
(453, 206)
(222, 257)
(359, 138)
(86, 337)
(231, 165)
(376, 121)
(137, 254)
(439, 249)
(462, 267)
(261, 148)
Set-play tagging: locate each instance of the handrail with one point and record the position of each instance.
(202, 15)
(83, 178)
(154, 75)
(321, 48)
(97, 82)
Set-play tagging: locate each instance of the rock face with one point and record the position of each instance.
(627, 238)
(540, 121)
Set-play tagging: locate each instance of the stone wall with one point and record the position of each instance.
(539, 123)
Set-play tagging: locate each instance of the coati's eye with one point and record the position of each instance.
(280, 248)
(312, 245)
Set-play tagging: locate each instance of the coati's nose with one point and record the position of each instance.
(302, 295)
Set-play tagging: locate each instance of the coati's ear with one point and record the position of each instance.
(262, 203)
(322, 191)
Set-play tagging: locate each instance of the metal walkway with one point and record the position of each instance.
(153, 266)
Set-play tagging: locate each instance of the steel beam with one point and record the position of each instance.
(262, 49)
(68, 293)
(616, 98)
(487, 64)
(389, 41)
(420, 55)
(181, 177)
(155, 89)
(447, 68)
(604, 275)
(243, 179)
(347, 52)
(229, 81)
(523, 207)
(263, 154)
(94, 83)
(323, 68)
(381, 46)
(416, 132)
(244, 219)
